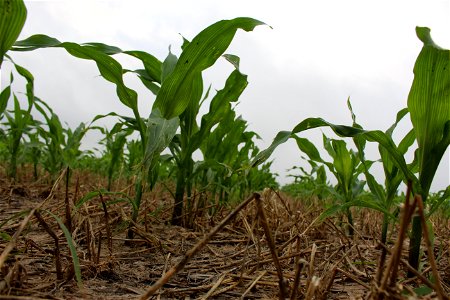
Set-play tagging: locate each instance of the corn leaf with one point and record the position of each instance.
(109, 68)
(73, 250)
(160, 133)
(168, 65)
(178, 89)
(345, 131)
(13, 14)
(151, 64)
(444, 197)
(308, 148)
(429, 106)
(219, 107)
(343, 206)
(4, 97)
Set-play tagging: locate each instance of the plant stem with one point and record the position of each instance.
(351, 229)
(179, 196)
(137, 203)
(414, 246)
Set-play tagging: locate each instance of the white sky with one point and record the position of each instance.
(317, 54)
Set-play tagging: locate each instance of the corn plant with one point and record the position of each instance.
(33, 150)
(346, 166)
(393, 177)
(181, 95)
(62, 145)
(429, 107)
(112, 71)
(191, 136)
(20, 120)
(178, 87)
(13, 15)
(114, 142)
(308, 184)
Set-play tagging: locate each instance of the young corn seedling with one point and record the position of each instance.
(191, 137)
(346, 166)
(114, 142)
(309, 184)
(13, 15)
(112, 71)
(62, 145)
(393, 177)
(33, 150)
(20, 121)
(181, 92)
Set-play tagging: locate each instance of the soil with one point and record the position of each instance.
(236, 263)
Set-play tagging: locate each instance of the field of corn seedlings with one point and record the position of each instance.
(141, 217)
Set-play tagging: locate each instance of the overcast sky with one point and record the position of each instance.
(317, 54)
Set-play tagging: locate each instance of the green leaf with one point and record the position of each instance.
(423, 290)
(5, 236)
(147, 81)
(4, 97)
(73, 250)
(107, 49)
(342, 206)
(178, 91)
(13, 14)
(168, 65)
(109, 68)
(345, 131)
(444, 197)
(233, 59)
(151, 64)
(429, 106)
(219, 107)
(280, 138)
(160, 133)
(308, 148)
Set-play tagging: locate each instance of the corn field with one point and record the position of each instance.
(142, 216)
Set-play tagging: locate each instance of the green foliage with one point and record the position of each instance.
(309, 184)
(439, 202)
(429, 107)
(231, 165)
(183, 87)
(13, 14)
(19, 121)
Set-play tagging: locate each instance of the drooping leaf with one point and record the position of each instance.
(151, 64)
(344, 131)
(308, 148)
(109, 68)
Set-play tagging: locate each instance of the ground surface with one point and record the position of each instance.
(236, 263)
